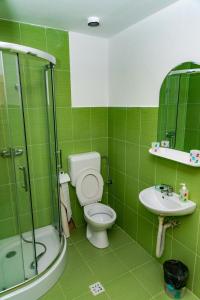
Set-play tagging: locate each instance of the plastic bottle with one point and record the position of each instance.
(183, 192)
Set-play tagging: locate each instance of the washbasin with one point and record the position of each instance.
(164, 205)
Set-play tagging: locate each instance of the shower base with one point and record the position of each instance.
(15, 263)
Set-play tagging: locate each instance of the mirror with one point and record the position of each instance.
(179, 108)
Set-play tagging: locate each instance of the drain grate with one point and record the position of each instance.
(11, 254)
(96, 288)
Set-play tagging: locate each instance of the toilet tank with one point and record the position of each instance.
(80, 162)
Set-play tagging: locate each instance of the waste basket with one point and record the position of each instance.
(175, 276)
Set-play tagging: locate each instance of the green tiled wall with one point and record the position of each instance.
(82, 130)
(79, 129)
(131, 131)
(56, 43)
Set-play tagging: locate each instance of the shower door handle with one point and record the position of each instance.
(25, 186)
(5, 153)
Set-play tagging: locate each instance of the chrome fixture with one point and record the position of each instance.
(5, 153)
(165, 189)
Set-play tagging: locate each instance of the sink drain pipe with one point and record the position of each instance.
(161, 234)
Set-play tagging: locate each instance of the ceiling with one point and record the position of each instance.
(116, 15)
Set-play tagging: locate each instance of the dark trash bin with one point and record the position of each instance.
(175, 276)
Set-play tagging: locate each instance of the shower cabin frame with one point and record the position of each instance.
(36, 286)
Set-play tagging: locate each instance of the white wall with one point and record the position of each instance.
(89, 70)
(143, 54)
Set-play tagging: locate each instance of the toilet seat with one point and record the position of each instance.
(99, 213)
(89, 187)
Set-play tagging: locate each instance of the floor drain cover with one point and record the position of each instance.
(10, 254)
(96, 288)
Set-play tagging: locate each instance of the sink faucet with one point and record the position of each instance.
(165, 189)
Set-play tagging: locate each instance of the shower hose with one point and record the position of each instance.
(33, 263)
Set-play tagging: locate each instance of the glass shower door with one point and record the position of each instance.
(17, 247)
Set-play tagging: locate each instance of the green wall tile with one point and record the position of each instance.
(41, 193)
(9, 32)
(5, 202)
(34, 88)
(99, 125)
(191, 177)
(119, 209)
(67, 148)
(166, 171)
(145, 234)
(196, 286)
(148, 125)
(62, 88)
(43, 217)
(132, 160)
(64, 123)
(117, 154)
(187, 225)
(147, 166)
(58, 45)
(180, 252)
(131, 193)
(9, 228)
(40, 164)
(33, 36)
(82, 146)
(133, 125)
(118, 184)
(37, 122)
(130, 222)
(117, 119)
(100, 145)
(81, 123)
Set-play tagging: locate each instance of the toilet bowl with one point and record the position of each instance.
(86, 177)
(99, 218)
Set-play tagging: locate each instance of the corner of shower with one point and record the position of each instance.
(32, 247)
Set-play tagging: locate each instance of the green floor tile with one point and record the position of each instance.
(78, 234)
(133, 255)
(76, 282)
(151, 276)
(164, 296)
(88, 251)
(54, 293)
(107, 267)
(89, 296)
(127, 288)
(74, 259)
(118, 238)
(125, 270)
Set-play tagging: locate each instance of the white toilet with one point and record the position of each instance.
(84, 170)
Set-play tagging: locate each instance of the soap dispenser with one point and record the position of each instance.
(183, 192)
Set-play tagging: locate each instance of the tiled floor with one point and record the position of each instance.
(125, 269)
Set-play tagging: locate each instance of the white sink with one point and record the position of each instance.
(163, 205)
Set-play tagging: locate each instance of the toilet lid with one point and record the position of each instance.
(89, 187)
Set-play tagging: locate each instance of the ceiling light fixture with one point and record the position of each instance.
(93, 21)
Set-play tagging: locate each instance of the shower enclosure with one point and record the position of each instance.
(30, 233)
